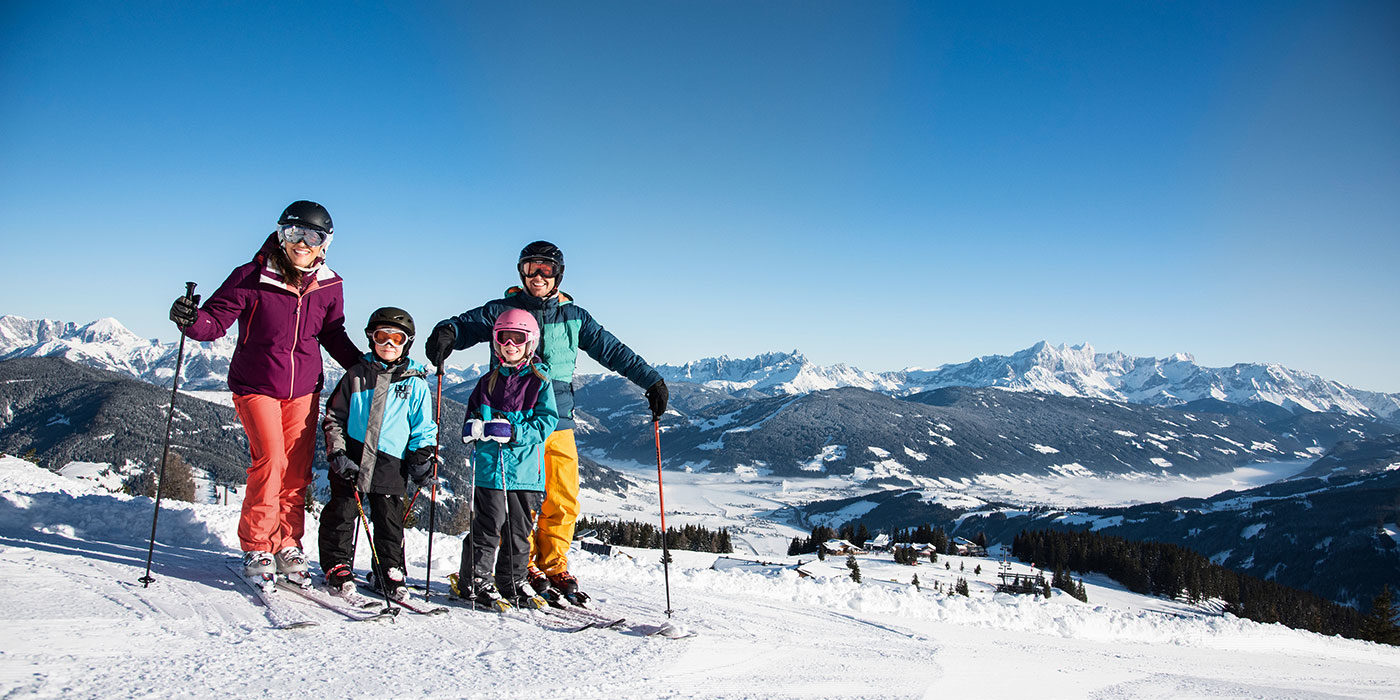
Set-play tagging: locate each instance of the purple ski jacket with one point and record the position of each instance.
(280, 328)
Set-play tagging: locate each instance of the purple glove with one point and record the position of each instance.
(498, 429)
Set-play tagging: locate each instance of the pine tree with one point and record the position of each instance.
(916, 582)
(977, 570)
(821, 553)
(31, 456)
(961, 587)
(854, 566)
(179, 479)
(1379, 625)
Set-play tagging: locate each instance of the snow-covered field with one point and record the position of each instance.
(79, 625)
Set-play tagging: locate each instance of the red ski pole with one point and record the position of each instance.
(661, 495)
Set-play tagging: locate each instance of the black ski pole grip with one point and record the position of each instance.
(189, 290)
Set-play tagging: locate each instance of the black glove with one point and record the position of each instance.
(343, 467)
(421, 472)
(656, 396)
(440, 343)
(185, 311)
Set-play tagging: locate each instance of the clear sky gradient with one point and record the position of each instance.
(881, 184)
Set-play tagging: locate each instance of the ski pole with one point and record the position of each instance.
(432, 503)
(471, 529)
(661, 495)
(379, 572)
(165, 451)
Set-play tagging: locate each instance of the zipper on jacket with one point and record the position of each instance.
(249, 324)
(296, 336)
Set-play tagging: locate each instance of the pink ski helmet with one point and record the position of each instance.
(515, 327)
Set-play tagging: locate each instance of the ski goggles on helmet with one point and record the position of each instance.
(507, 337)
(389, 336)
(540, 268)
(293, 233)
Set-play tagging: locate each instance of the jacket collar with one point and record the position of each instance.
(405, 368)
(533, 302)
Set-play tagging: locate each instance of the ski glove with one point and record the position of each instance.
(472, 430)
(656, 397)
(440, 343)
(499, 429)
(343, 467)
(185, 311)
(421, 473)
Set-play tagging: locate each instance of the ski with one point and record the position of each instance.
(338, 605)
(282, 615)
(421, 608)
(355, 599)
(591, 619)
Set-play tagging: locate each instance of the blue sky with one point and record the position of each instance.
(881, 184)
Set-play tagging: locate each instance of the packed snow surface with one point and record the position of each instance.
(79, 625)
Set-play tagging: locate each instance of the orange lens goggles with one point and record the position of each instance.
(389, 336)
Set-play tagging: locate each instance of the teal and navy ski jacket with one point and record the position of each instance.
(565, 328)
(388, 407)
(524, 396)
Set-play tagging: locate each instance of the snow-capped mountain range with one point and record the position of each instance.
(1076, 371)
(107, 344)
(1066, 371)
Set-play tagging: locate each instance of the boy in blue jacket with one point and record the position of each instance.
(380, 434)
(510, 414)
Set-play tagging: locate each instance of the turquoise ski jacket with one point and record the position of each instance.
(381, 416)
(525, 396)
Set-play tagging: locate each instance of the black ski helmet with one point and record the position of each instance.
(392, 316)
(543, 251)
(305, 213)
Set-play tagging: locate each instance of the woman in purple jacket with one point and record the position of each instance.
(288, 306)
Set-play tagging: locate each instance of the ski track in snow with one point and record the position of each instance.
(80, 625)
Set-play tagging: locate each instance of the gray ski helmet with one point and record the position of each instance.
(392, 316)
(306, 213)
(544, 251)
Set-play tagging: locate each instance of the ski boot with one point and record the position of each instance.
(487, 597)
(540, 583)
(393, 586)
(291, 563)
(521, 595)
(567, 585)
(259, 568)
(340, 579)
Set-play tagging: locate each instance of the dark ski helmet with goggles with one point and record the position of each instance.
(391, 317)
(542, 252)
(305, 213)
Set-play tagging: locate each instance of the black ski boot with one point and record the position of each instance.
(393, 587)
(521, 595)
(540, 583)
(486, 596)
(340, 579)
(567, 585)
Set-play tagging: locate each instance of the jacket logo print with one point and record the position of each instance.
(401, 391)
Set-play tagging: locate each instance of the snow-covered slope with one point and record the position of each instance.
(81, 626)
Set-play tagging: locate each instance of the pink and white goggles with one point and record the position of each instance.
(507, 337)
